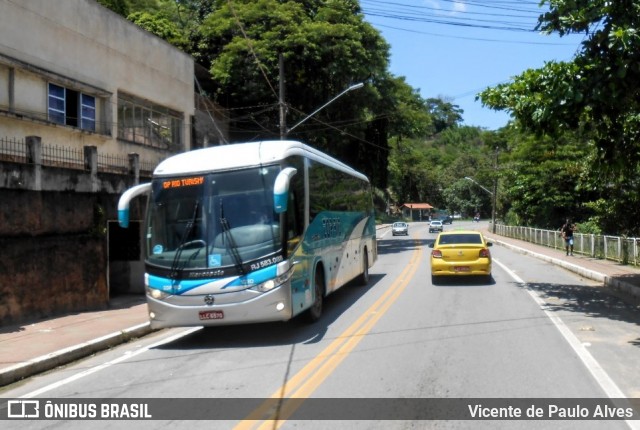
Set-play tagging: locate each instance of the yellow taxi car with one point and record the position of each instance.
(460, 253)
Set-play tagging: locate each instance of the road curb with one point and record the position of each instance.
(622, 286)
(64, 356)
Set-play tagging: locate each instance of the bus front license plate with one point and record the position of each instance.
(211, 315)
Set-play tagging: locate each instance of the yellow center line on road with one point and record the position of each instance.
(309, 378)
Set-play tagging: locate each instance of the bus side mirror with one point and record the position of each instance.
(125, 199)
(281, 189)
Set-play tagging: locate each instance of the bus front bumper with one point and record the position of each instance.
(189, 311)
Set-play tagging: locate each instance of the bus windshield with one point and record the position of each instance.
(213, 221)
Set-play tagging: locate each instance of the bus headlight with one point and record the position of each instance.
(157, 294)
(266, 286)
(273, 283)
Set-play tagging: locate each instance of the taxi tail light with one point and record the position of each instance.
(436, 253)
(484, 253)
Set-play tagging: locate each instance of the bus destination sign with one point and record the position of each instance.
(184, 182)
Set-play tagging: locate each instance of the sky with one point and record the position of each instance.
(455, 49)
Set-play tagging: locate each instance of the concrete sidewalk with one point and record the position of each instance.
(26, 350)
(32, 348)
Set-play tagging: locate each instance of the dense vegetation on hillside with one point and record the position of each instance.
(591, 103)
(570, 151)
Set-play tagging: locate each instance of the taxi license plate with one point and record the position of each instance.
(211, 315)
(461, 269)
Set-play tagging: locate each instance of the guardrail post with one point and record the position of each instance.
(580, 249)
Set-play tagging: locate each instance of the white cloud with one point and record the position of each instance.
(447, 8)
(459, 6)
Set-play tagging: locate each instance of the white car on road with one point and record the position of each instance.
(435, 226)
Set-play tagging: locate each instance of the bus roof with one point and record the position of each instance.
(242, 155)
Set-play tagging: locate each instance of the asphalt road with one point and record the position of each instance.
(535, 332)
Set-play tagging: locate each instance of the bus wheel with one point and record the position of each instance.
(315, 311)
(363, 279)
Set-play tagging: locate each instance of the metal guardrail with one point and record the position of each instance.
(624, 250)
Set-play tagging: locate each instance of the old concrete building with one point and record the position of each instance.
(82, 90)
(77, 74)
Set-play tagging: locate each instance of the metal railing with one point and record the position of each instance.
(62, 156)
(13, 150)
(114, 163)
(624, 250)
(17, 151)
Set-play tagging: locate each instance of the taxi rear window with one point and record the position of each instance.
(451, 239)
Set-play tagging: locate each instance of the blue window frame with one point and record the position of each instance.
(70, 107)
(88, 112)
(57, 104)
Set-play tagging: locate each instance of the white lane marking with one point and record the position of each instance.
(602, 378)
(102, 366)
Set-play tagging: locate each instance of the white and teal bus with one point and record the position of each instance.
(251, 232)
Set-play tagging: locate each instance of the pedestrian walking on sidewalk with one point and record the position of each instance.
(567, 234)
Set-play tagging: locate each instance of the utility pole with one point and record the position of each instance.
(495, 194)
(283, 107)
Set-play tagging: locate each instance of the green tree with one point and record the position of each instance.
(161, 26)
(596, 96)
(598, 93)
(541, 181)
(408, 113)
(120, 7)
(445, 114)
(432, 169)
(463, 198)
(326, 46)
(176, 21)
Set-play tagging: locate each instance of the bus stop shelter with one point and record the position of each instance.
(417, 211)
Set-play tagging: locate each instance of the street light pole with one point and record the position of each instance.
(493, 199)
(474, 181)
(351, 88)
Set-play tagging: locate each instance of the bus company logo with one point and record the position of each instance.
(205, 274)
(23, 409)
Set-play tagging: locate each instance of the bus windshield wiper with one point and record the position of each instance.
(175, 265)
(231, 243)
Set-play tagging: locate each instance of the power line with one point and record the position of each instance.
(478, 39)
(524, 21)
